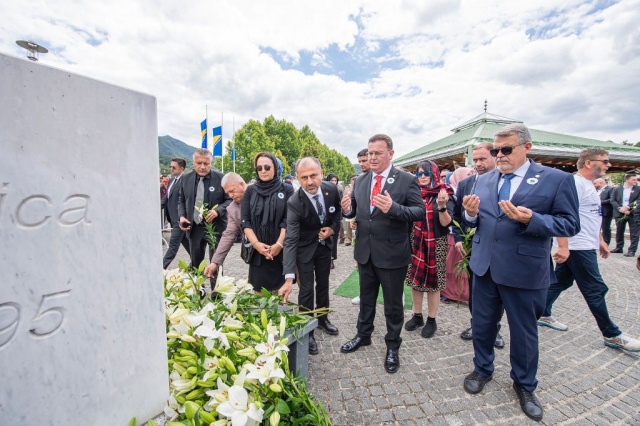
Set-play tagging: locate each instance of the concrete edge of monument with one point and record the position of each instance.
(82, 326)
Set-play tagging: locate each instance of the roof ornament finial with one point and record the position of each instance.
(485, 105)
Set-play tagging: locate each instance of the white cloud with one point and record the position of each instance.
(554, 64)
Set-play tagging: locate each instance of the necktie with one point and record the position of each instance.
(173, 183)
(319, 208)
(199, 201)
(505, 189)
(377, 187)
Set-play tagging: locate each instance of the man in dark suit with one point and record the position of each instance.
(178, 236)
(313, 216)
(516, 210)
(622, 201)
(201, 187)
(606, 209)
(483, 162)
(385, 202)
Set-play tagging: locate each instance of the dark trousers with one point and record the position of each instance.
(606, 228)
(316, 271)
(178, 236)
(634, 230)
(523, 308)
(392, 282)
(582, 266)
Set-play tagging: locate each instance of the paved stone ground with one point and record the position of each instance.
(581, 382)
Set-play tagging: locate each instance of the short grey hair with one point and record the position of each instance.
(515, 129)
(202, 152)
(231, 178)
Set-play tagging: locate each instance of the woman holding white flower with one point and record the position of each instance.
(264, 222)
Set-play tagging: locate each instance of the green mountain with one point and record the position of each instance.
(169, 148)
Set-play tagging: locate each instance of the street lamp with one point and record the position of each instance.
(32, 48)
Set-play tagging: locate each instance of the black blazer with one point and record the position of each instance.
(171, 201)
(213, 194)
(464, 188)
(384, 238)
(616, 199)
(605, 201)
(303, 225)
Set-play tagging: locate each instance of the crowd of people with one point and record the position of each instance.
(482, 235)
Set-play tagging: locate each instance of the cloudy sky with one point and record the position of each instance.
(349, 69)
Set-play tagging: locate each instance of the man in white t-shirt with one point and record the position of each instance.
(577, 257)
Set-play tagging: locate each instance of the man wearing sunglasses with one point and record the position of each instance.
(577, 257)
(516, 210)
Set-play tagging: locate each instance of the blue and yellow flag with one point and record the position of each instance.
(203, 133)
(217, 141)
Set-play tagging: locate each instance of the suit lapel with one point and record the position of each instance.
(492, 187)
(529, 181)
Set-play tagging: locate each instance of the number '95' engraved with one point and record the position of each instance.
(49, 318)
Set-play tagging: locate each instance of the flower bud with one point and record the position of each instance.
(275, 387)
(274, 419)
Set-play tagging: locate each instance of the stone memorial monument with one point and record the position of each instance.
(82, 331)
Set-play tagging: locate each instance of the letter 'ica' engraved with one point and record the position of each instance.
(9, 321)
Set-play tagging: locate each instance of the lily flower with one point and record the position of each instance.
(240, 409)
(211, 334)
(264, 369)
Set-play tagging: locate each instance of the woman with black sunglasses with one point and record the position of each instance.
(264, 222)
(427, 272)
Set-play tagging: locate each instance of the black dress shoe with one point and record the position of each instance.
(629, 254)
(313, 346)
(392, 361)
(499, 343)
(467, 334)
(474, 382)
(354, 344)
(617, 250)
(529, 403)
(326, 326)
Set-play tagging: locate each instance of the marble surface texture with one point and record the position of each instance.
(82, 337)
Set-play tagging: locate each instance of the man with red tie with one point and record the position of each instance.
(385, 202)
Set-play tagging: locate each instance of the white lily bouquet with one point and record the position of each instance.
(228, 359)
(211, 235)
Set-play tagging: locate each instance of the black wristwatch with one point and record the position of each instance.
(444, 209)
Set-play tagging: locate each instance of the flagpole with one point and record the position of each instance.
(206, 120)
(233, 144)
(222, 141)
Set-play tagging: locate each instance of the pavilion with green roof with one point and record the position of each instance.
(551, 149)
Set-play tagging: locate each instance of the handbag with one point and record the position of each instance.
(246, 249)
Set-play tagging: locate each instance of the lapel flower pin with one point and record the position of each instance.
(280, 195)
(211, 189)
(532, 181)
(390, 180)
(332, 209)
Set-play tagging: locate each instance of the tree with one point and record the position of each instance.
(287, 143)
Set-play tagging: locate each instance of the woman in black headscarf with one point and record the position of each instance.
(264, 222)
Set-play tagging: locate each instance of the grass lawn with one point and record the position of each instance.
(350, 288)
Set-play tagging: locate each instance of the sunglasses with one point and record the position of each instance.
(505, 150)
(266, 168)
(603, 161)
(420, 174)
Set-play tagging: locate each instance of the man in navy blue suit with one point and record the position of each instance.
(516, 210)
